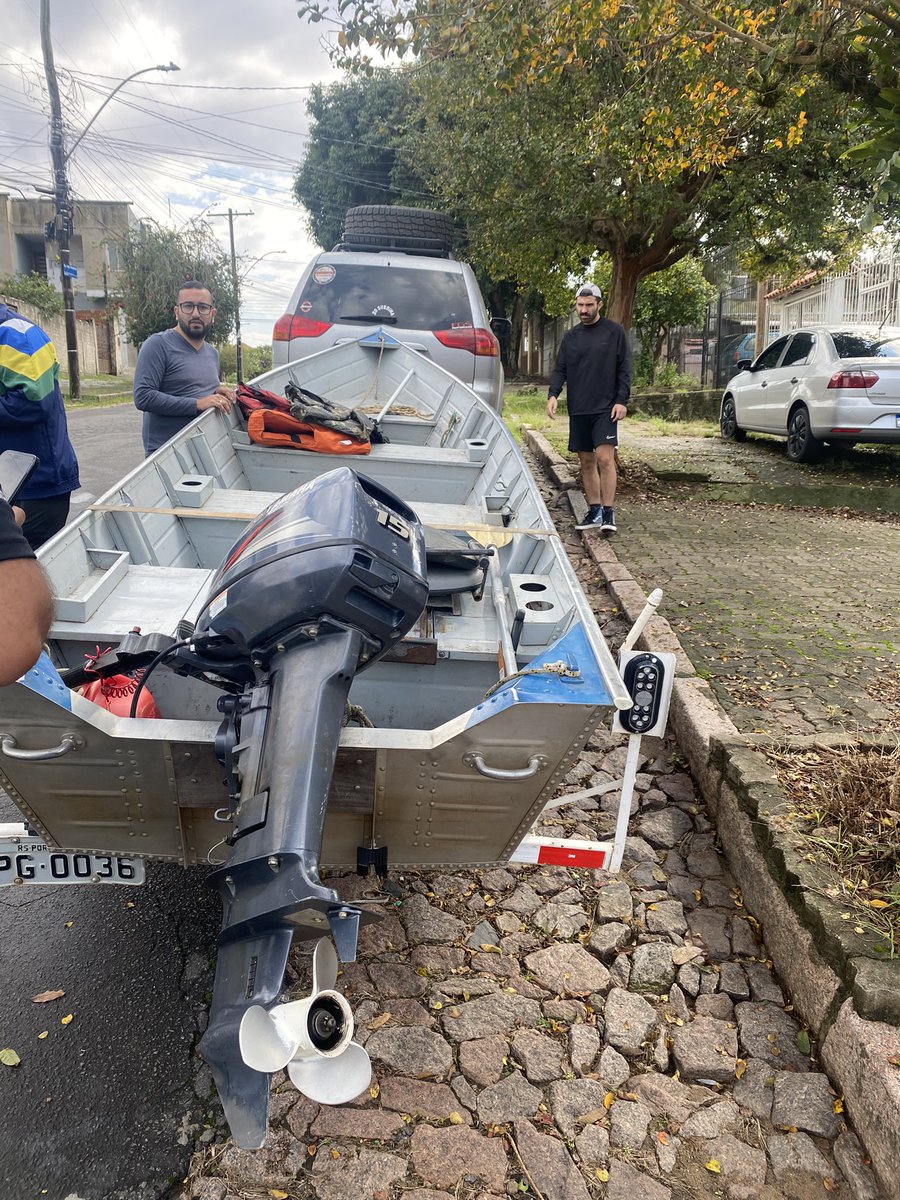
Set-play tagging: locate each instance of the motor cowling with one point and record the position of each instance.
(340, 548)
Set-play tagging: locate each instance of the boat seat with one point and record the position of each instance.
(453, 561)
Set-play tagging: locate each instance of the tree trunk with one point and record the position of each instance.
(626, 272)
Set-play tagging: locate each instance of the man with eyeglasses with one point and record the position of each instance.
(177, 372)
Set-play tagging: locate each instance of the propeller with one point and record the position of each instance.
(311, 1037)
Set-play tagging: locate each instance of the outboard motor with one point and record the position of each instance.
(325, 581)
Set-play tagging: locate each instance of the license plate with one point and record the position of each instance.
(29, 861)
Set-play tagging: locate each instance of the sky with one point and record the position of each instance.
(226, 130)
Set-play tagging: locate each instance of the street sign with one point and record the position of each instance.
(71, 272)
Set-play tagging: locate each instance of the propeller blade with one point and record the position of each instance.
(265, 1046)
(324, 966)
(332, 1080)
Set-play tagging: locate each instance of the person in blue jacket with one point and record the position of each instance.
(33, 419)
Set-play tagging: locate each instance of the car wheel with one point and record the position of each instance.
(394, 225)
(728, 425)
(801, 445)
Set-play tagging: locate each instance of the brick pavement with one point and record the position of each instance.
(793, 617)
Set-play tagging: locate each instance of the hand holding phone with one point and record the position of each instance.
(15, 468)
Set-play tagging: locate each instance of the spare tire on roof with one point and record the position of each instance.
(391, 225)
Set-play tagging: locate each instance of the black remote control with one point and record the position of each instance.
(643, 676)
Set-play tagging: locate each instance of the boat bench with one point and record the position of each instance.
(419, 473)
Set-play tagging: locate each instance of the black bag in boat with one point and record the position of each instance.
(315, 410)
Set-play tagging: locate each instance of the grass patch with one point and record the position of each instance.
(526, 404)
(97, 400)
(846, 810)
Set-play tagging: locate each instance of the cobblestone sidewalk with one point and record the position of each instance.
(564, 1035)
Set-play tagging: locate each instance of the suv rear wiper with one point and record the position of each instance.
(369, 319)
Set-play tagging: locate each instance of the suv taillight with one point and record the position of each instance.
(477, 341)
(289, 326)
(853, 379)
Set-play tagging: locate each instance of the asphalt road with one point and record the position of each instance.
(99, 1109)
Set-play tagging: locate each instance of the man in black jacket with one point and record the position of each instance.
(594, 364)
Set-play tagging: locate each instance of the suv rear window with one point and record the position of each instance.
(355, 294)
(862, 345)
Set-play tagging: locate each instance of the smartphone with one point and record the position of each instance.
(15, 467)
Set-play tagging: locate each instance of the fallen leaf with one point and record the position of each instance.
(878, 904)
(68, 924)
(421, 971)
(602, 1174)
(828, 1184)
(740, 1068)
(714, 1165)
(41, 1036)
(593, 1115)
(46, 997)
(374, 1091)
(68, 1019)
(455, 1119)
(838, 1105)
(381, 1019)
(489, 948)
(663, 1138)
(335, 1154)
(9, 1058)
(803, 1042)
(278, 1194)
(608, 1099)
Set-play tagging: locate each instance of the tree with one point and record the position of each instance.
(362, 149)
(564, 130)
(155, 261)
(355, 152)
(853, 45)
(35, 290)
(669, 299)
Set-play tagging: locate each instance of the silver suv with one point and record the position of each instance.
(393, 269)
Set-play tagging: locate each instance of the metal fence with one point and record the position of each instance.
(729, 333)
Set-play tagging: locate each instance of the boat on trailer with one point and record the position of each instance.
(360, 661)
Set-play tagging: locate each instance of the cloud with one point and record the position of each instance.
(171, 143)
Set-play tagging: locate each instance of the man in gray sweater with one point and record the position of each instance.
(177, 372)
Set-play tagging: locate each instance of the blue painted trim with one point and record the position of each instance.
(44, 679)
(380, 339)
(587, 690)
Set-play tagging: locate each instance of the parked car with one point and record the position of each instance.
(394, 269)
(820, 384)
(745, 347)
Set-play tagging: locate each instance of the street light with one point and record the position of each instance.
(63, 219)
(168, 67)
(268, 254)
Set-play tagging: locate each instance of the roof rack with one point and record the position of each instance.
(429, 247)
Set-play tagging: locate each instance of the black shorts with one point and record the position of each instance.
(597, 429)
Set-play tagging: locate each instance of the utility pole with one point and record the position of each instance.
(63, 219)
(231, 214)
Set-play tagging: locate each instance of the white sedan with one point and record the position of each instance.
(821, 384)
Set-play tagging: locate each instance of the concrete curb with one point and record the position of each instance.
(857, 1053)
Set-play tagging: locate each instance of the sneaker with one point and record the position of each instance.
(591, 518)
(607, 521)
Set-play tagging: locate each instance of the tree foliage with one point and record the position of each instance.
(35, 290)
(355, 152)
(155, 261)
(613, 126)
(362, 149)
